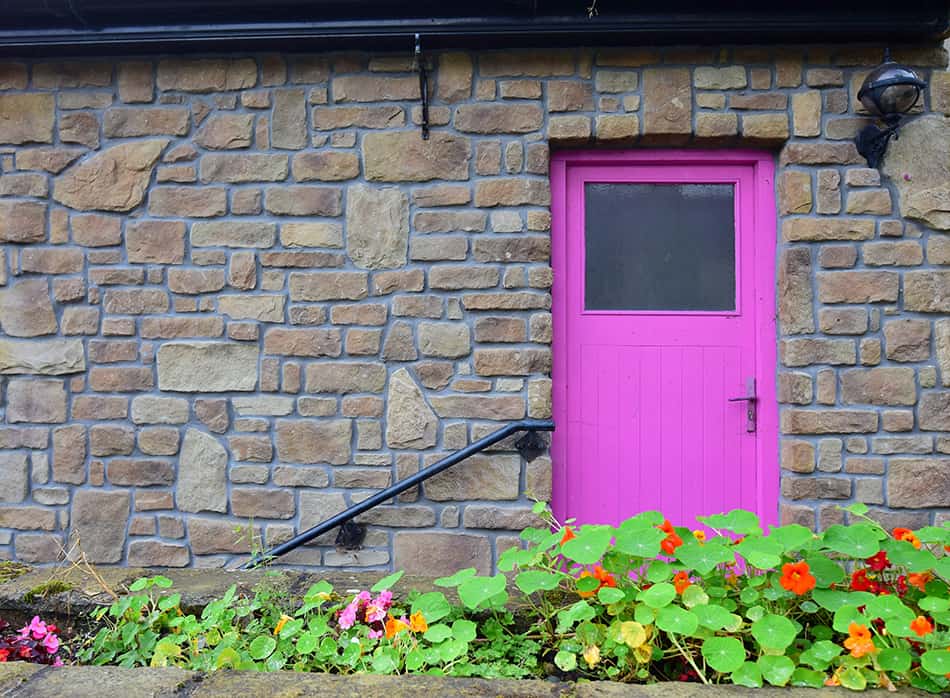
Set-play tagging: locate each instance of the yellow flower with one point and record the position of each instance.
(417, 622)
(281, 623)
(592, 656)
(699, 535)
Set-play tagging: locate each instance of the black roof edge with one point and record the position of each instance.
(504, 24)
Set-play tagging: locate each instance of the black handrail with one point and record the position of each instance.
(532, 426)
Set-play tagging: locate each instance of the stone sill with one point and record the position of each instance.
(21, 679)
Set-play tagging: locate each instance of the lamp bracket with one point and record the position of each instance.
(420, 60)
(872, 143)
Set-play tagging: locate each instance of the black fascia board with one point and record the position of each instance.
(154, 26)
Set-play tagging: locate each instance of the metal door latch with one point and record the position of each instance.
(750, 399)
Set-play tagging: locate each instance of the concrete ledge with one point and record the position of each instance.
(19, 679)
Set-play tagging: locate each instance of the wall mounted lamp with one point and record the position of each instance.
(888, 93)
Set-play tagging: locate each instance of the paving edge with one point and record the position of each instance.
(29, 680)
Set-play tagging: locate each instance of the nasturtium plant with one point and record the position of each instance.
(731, 601)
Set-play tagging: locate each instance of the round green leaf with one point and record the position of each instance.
(659, 571)
(694, 596)
(934, 604)
(639, 541)
(903, 554)
(387, 582)
(792, 536)
(774, 632)
(589, 545)
(533, 581)
(764, 553)
(674, 619)
(820, 654)
(432, 605)
(894, 659)
(478, 590)
(807, 677)
(565, 661)
(748, 675)
(609, 595)
(261, 647)
(853, 678)
(306, 643)
(438, 633)
(715, 617)
(825, 571)
(658, 595)
(936, 662)
(724, 654)
(856, 540)
(463, 630)
(704, 558)
(457, 578)
(777, 670)
(737, 521)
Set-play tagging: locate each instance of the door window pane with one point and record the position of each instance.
(659, 247)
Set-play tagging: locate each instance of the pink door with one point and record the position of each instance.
(664, 301)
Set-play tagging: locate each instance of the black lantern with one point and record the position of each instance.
(890, 91)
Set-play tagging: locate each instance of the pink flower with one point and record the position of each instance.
(363, 596)
(36, 627)
(375, 614)
(385, 599)
(58, 662)
(375, 634)
(51, 643)
(348, 616)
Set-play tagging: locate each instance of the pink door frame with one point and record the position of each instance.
(764, 225)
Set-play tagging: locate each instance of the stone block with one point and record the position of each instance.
(26, 118)
(207, 367)
(202, 478)
(918, 483)
(377, 227)
(323, 441)
(879, 386)
(99, 520)
(115, 179)
(345, 377)
(38, 401)
(488, 118)
(440, 553)
(907, 339)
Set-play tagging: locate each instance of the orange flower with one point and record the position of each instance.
(797, 578)
(281, 623)
(922, 626)
(568, 535)
(907, 535)
(859, 641)
(394, 626)
(417, 622)
(681, 581)
(672, 540)
(919, 580)
(601, 575)
(699, 535)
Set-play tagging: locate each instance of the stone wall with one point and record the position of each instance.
(243, 291)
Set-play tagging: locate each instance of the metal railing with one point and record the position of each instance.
(530, 446)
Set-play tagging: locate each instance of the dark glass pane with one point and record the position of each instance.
(659, 247)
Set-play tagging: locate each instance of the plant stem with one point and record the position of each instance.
(689, 658)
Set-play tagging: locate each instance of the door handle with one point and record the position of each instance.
(750, 399)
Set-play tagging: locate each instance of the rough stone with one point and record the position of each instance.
(927, 291)
(202, 477)
(498, 118)
(942, 343)
(907, 339)
(437, 554)
(795, 310)
(922, 183)
(206, 74)
(329, 166)
(933, 412)
(22, 221)
(226, 131)
(98, 522)
(377, 226)
(667, 102)
(38, 401)
(918, 483)
(153, 553)
(26, 118)
(207, 367)
(312, 441)
(131, 123)
(444, 339)
(403, 156)
(236, 168)
(14, 473)
(26, 310)
(410, 422)
(289, 125)
(115, 179)
(879, 386)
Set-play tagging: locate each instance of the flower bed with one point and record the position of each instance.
(855, 606)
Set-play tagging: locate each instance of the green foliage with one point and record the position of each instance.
(854, 606)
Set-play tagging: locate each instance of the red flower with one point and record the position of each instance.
(600, 574)
(797, 578)
(860, 581)
(901, 585)
(878, 562)
(568, 535)
(681, 581)
(920, 580)
(672, 540)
